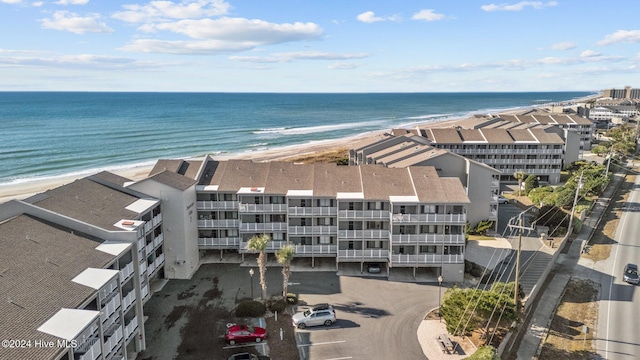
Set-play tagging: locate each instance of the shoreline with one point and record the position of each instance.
(22, 190)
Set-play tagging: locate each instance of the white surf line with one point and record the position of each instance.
(324, 343)
(615, 259)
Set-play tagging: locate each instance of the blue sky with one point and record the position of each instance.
(318, 46)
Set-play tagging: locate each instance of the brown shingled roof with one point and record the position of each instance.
(173, 180)
(37, 263)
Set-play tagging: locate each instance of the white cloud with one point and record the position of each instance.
(342, 65)
(166, 10)
(208, 47)
(621, 36)
(567, 45)
(68, 21)
(72, 2)
(299, 55)
(427, 15)
(589, 53)
(370, 17)
(37, 4)
(518, 6)
(86, 61)
(240, 29)
(11, 1)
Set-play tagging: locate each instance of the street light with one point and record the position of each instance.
(251, 275)
(439, 296)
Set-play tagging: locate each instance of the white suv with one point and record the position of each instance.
(321, 314)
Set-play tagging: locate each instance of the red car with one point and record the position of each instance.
(244, 333)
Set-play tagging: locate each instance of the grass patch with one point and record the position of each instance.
(578, 307)
(481, 237)
(328, 156)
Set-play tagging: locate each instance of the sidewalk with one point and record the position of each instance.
(531, 343)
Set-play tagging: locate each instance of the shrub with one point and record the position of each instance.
(292, 299)
(250, 308)
(277, 305)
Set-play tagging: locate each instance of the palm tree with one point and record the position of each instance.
(520, 175)
(258, 243)
(284, 256)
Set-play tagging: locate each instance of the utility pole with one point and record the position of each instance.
(575, 200)
(521, 227)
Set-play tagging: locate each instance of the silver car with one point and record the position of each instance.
(322, 314)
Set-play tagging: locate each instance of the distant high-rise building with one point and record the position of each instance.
(627, 93)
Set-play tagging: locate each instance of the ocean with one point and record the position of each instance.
(45, 135)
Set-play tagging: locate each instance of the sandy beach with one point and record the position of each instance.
(27, 189)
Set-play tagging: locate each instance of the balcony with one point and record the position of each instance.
(159, 260)
(141, 244)
(262, 227)
(224, 223)
(313, 211)
(219, 243)
(148, 226)
(367, 254)
(316, 250)
(108, 290)
(126, 272)
(157, 220)
(90, 350)
(424, 259)
(131, 327)
(149, 247)
(262, 208)
(109, 308)
(113, 340)
(429, 218)
(128, 299)
(312, 230)
(143, 267)
(150, 268)
(363, 234)
(144, 291)
(217, 205)
(495, 183)
(272, 246)
(363, 214)
(428, 239)
(158, 240)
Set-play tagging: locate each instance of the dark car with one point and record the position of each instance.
(244, 333)
(631, 274)
(243, 356)
(374, 269)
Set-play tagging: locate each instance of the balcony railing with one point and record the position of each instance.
(141, 244)
(506, 151)
(309, 250)
(272, 246)
(363, 234)
(143, 267)
(259, 208)
(90, 350)
(108, 290)
(126, 272)
(110, 308)
(363, 214)
(158, 240)
(408, 259)
(150, 268)
(313, 211)
(363, 254)
(128, 299)
(260, 227)
(159, 261)
(430, 218)
(149, 247)
(157, 220)
(217, 205)
(131, 327)
(223, 223)
(312, 230)
(427, 239)
(219, 243)
(113, 340)
(144, 291)
(495, 183)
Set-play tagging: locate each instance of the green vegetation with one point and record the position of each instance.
(484, 353)
(292, 299)
(466, 310)
(250, 308)
(480, 229)
(284, 256)
(258, 243)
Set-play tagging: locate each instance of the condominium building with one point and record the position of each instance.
(400, 149)
(627, 93)
(615, 113)
(73, 289)
(402, 218)
(533, 151)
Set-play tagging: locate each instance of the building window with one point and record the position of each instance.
(325, 240)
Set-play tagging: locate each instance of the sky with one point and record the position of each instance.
(318, 46)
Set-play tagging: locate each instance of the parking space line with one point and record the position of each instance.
(255, 344)
(323, 343)
(342, 358)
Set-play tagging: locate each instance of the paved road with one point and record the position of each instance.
(618, 328)
(377, 319)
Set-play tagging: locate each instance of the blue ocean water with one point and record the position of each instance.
(51, 134)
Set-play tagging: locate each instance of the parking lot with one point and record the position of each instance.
(377, 318)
